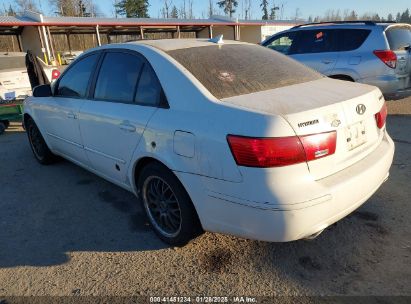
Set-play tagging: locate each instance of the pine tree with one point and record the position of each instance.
(390, 17)
(133, 8)
(229, 6)
(174, 12)
(264, 7)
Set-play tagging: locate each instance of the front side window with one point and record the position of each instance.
(118, 77)
(75, 81)
(283, 43)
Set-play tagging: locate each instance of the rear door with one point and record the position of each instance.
(399, 40)
(317, 49)
(126, 95)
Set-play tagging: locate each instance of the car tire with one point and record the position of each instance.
(2, 127)
(167, 205)
(38, 145)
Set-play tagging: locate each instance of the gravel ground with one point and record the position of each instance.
(399, 107)
(64, 231)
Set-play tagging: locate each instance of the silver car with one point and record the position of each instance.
(361, 51)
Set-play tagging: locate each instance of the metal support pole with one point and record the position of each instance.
(18, 36)
(51, 44)
(178, 32)
(46, 43)
(68, 42)
(43, 49)
(210, 32)
(142, 33)
(98, 36)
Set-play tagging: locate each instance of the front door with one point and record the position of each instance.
(60, 113)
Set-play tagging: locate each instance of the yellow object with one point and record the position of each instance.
(45, 58)
(59, 58)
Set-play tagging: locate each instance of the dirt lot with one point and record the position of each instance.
(64, 231)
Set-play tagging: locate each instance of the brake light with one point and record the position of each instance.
(388, 57)
(381, 116)
(281, 151)
(55, 74)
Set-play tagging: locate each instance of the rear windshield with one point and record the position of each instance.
(232, 70)
(399, 37)
(8, 62)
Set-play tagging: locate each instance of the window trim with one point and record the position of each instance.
(57, 84)
(163, 101)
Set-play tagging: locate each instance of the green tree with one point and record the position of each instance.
(405, 16)
(132, 8)
(264, 7)
(229, 6)
(390, 17)
(174, 12)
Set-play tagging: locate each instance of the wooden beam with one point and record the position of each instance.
(19, 42)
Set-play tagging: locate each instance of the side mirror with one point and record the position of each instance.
(42, 91)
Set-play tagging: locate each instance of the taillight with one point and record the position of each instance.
(281, 151)
(55, 74)
(381, 116)
(388, 57)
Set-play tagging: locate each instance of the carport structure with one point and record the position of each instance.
(37, 32)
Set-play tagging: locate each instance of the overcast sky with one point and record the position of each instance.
(306, 7)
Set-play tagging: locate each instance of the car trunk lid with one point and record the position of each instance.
(322, 106)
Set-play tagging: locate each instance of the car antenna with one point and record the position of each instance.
(218, 39)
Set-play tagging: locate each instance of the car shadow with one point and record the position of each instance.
(49, 211)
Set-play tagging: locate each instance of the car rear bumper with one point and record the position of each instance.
(343, 192)
(389, 86)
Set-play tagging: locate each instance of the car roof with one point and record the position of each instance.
(348, 25)
(176, 44)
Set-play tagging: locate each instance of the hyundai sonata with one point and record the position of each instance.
(223, 137)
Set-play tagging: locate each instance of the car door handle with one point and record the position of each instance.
(327, 61)
(127, 127)
(71, 115)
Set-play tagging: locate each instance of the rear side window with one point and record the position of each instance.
(118, 77)
(351, 39)
(238, 69)
(149, 92)
(315, 41)
(399, 38)
(75, 81)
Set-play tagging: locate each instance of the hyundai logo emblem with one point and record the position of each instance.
(361, 109)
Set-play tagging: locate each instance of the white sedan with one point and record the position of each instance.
(225, 137)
